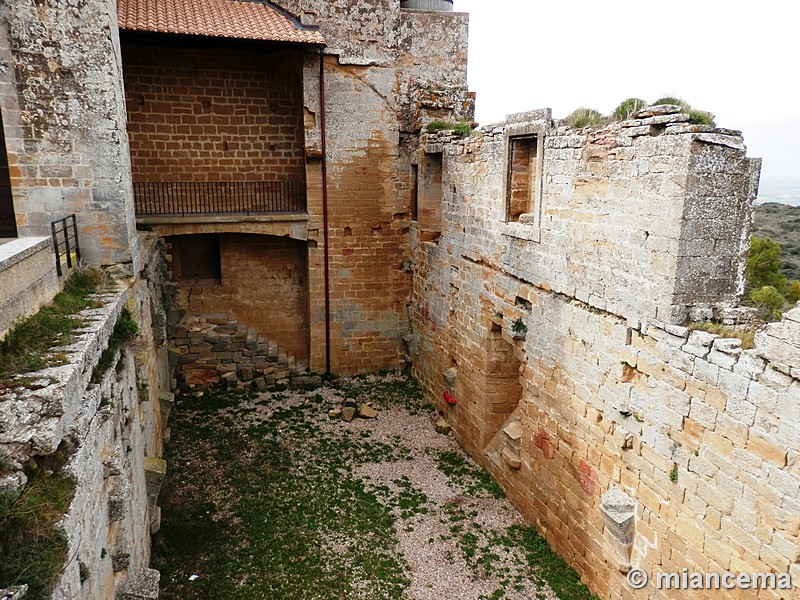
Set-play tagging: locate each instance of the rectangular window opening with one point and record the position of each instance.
(430, 197)
(521, 189)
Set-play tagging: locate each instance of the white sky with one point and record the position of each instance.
(739, 60)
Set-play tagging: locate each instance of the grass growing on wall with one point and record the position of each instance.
(25, 347)
(32, 549)
(746, 334)
(462, 128)
(125, 329)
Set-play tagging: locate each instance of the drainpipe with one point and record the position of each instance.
(326, 258)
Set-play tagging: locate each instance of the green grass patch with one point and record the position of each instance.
(701, 117)
(286, 518)
(263, 500)
(462, 472)
(561, 578)
(585, 117)
(461, 128)
(627, 107)
(385, 390)
(32, 549)
(125, 329)
(26, 346)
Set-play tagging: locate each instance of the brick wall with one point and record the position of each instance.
(264, 285)
(702, 436)
(214, 113)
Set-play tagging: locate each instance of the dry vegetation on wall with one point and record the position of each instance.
(32, 548)
(589, 117)
(292, 502)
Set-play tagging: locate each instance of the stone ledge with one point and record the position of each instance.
(19, 249)
(36, 419)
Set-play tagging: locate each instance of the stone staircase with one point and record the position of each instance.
(214, 348)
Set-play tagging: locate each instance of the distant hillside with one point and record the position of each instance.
(781, 223)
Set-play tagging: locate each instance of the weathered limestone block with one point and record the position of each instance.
(450, 376)
(141, 586)
(155, 520)
(700, 343)
(120, 561)
(442, 426)
(166, 402)
(511, 459)
(619, 515)
(119, 498)
(155, 469)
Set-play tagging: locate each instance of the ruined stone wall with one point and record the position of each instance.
(213, 113)
(116, 430)
(64, 120)
(627, 439)
(373, 92)
(264, 285)
(214, 349)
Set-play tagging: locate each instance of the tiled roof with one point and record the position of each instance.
(216, 18)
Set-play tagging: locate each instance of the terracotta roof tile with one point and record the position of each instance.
(217, 18)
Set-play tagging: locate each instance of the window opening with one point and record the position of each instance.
(521, 191)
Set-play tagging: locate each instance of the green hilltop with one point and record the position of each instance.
(781, 224)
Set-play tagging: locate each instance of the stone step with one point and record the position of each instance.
(233, 350)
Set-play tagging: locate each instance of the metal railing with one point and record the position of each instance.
(218, 197)
(65, 242)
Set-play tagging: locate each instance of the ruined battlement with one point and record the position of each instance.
(643, 218)
(553, 270)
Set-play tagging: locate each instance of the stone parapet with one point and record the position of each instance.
(28, 278)
(111, 421)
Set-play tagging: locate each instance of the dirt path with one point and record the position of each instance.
(270, 497)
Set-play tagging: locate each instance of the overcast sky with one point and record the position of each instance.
(738, 60)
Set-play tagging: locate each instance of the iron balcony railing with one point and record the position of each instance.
(218, 197)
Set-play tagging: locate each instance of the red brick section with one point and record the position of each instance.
(214, 115)
(215, 18)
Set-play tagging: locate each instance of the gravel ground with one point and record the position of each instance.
(454, 535)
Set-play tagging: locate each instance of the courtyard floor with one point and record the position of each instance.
(270, 497)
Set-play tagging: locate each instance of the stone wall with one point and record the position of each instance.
(627, 439)
(64, 121)
(211, 113)
(117, 429)
(385, 77)
(193, 105)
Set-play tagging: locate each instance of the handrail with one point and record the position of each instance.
(65, 242)
(218, 197)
